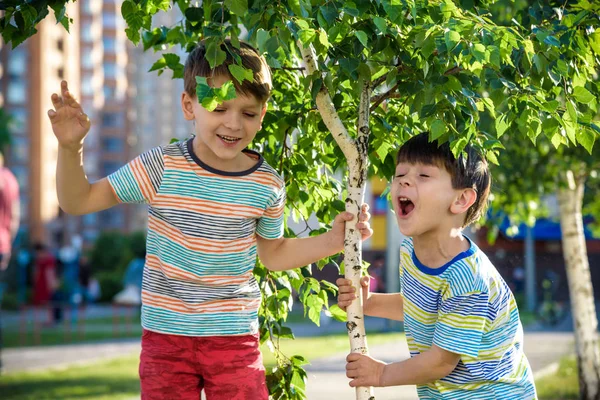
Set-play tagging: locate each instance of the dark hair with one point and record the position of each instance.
(470, 172)
(197, 65)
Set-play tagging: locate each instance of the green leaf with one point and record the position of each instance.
(438, 129)
(383, 150)
(362, 37)
(337, 313)
(552, 41)
(586, 137)
(380, 24)
(240, 73)
(452, 38)
(238, 7)
(479, 52)
(307, 36)
(214, 54)
(458, 145)
(583, 95)
(501, 125)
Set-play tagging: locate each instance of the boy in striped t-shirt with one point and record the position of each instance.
(461, 319)
(213, 207)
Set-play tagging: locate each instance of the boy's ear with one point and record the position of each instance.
(187, 106)
(262, 114)
(465, 199)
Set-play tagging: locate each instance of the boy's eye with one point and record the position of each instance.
(218, 110)
(424, 176)
(250, 115)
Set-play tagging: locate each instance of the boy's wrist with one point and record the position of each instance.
(71, 149)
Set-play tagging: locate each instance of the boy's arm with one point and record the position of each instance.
(70, 125)
(382, 305)
(423, 368)
(289, 253)
(76, 195)
(385, 305)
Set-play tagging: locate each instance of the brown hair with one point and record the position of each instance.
(467, 172)
(197, 65)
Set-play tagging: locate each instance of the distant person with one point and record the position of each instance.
(45, 279)
(214, 206)
(9, 225)
(132, 281)
(377, 275)
(518, 278)
(461, 320)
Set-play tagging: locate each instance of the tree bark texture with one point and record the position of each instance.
(581, 292)
(356, 151)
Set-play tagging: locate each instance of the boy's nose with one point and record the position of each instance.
(234, 122)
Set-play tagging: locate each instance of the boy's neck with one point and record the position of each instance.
(435, 249)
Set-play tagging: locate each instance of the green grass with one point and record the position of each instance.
(562, 385)
(117, 379)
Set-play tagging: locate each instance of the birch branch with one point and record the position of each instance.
(356, 151)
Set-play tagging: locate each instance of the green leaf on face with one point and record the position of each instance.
(211, 97)
(362, 37)
(240, 73)
(583, 95)
(225, 92)
(452, 38)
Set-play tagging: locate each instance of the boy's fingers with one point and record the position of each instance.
(343, 282)
(56, 101)
(364, 281)
(51, 114)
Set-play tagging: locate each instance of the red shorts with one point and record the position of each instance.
(180, 367)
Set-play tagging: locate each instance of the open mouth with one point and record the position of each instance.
(406, 206)
(229, 139)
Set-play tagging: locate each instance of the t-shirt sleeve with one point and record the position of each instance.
(139, 180)
(270, 225)
(461, 322)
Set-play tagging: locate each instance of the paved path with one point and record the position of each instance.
(326, 376)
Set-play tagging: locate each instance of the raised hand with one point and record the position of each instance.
(69, 123)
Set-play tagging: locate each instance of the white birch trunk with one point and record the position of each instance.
(356, 151)
(581, 292)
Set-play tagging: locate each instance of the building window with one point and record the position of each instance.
(20, 149)
(109, 44)
(87, 85)
(17, 92)
(109, 92)
(17, 63)
(87, 33)
(61, 73)
(109, 20)
(18, 122)
(110, 70)
(60, 45)
(112, 144)
(87, 58)
(113, 120)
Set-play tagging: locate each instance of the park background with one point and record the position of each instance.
(133, 110)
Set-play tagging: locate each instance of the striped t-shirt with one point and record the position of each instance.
(465, 307)
(201, 245)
